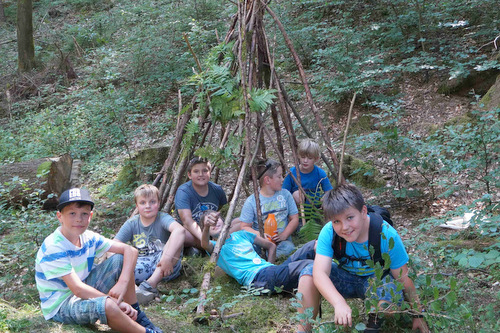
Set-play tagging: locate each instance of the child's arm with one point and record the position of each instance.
(189, 223)
(267, 245)
(172, 249)
(130, 255)
(205, 237)
(410, 293)
(248, 227)
(293, 223)
(321, 277)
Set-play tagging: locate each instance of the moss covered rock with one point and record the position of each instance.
(362, 173)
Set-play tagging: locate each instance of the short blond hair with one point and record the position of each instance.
(309, 148)
(146, 190)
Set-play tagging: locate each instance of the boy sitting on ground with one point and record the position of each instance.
(345, 208)
(273, 199)
(75, 291)
(158, 238)
(313, 179)
(239, 260)
(196, 196)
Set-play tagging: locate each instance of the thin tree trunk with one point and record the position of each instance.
(3, 19)
(25, 43)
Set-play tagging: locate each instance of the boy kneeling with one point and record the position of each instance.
(75, 291)
(345, 208)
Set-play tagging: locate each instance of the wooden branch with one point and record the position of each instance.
(339, 180)
(192, 52)
(306, 87)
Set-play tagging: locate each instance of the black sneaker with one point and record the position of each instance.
(144, 321)
(374, 323)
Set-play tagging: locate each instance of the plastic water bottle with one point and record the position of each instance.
(270, 226)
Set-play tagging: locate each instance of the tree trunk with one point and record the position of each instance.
(25, 43)
(50, 175)
(3, 19)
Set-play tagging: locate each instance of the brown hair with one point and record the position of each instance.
(198, 160)
(341, 198)
(266, 168)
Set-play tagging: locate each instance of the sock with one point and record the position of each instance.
(136, 307)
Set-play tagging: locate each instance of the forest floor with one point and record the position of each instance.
(174, 311)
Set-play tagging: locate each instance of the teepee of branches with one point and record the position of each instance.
(238, 111)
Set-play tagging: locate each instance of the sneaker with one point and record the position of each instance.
(192, 252)
(144, 321)
(147, 287)
(374, 323)
(144, 297)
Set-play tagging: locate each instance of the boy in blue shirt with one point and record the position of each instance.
(239, 260)
(273, 199)
(72, 288)
(345, 208)
(313, 179)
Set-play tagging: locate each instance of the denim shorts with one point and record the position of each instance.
(103, 277)
(355, 286)
(146, 265)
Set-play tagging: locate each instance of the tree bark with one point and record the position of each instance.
(25, 43)
(3, 19)
(49, 175)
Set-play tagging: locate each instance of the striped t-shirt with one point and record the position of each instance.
(58, 257)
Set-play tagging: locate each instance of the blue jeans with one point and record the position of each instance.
(355, 286)
(287, 274)
(103, 277)
(146, 265)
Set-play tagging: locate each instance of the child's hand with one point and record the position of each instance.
(166, 267)
(278, 237)
(212, 218)
(343, 314)
(128, 310)
(118, 291)
(420, 324)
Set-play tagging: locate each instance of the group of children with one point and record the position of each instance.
(73, 289)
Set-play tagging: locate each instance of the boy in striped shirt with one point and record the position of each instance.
(73, 290)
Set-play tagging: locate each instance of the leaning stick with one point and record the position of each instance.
(339, 180)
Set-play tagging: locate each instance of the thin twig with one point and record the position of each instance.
(339, 180)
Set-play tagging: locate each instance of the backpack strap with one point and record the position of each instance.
(374, 236)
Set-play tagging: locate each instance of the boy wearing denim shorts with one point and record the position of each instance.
(273, 199)
(238, 258)
(345, 208)
(158, 237)
(73, 290)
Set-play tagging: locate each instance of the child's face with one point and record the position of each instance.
(148, 207)
(276, 180)
(75, 219)
(352, 224)
(307, 163)
(199, 174)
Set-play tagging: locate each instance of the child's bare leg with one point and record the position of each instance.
(129, 296)
(310, 298)
(119, 321)
(157, 275)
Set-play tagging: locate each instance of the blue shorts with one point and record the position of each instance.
(146, 265)
(102, 277)
(355, 286)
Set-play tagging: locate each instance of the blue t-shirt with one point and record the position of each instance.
(186, 197)
(281, 202)
(398, 254)
(238, 258)
(314, 183)
(147, 240)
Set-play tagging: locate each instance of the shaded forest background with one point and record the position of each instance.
(424, 139)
